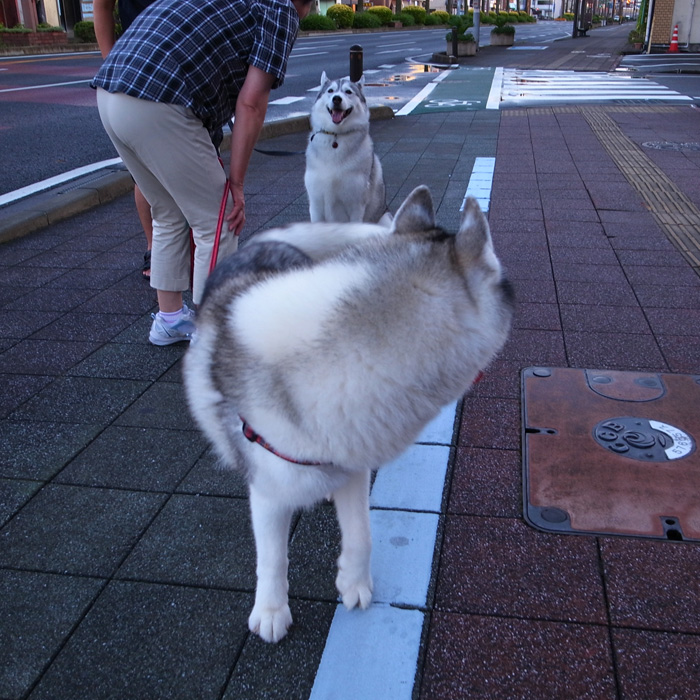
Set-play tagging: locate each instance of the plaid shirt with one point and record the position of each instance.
(196, 53)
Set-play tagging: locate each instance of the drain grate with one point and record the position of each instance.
(611, 453)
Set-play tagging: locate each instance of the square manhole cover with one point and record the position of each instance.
(607, 452)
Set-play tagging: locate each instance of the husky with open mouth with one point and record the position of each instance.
(343, 177)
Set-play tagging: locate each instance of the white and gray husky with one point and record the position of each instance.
(343, 178)
(322, 350)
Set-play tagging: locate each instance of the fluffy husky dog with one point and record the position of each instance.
(343, 177)
(322, 350)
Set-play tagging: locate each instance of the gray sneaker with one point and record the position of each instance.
(167, 334)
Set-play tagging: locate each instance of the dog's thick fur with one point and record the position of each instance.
(337, 344)
(343, 178)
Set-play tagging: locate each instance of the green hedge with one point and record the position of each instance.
(85, 31)
(438, 17)
(418, 13)
(365, 20)
(383, 14)
(408, 20)
(342, 15)
(317, 22)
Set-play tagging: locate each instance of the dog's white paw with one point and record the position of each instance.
(354, 591)
(271, 624)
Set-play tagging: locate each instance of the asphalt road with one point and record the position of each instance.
(50, 125)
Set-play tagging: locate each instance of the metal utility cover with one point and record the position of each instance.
(608, 452)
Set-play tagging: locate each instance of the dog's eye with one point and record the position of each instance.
(330, 90)
(348, 92)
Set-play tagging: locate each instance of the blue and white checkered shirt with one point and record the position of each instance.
(196, 53)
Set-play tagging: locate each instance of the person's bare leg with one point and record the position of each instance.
(169, 302)
(143, 209)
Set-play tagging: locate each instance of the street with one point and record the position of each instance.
(50, 123)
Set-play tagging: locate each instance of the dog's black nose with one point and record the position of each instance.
(337, 99)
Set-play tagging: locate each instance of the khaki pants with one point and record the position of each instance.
(173, 161)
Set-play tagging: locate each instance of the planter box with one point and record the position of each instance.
(32, 38)
(464, 48)
(502, 39)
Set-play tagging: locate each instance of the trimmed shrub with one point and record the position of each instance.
(317, 22)
(342, 15)
(85, 31)
(418, 13)
(569, 16)
(405, 18)
(383, 14)
(438, 17)
(17, 29)
(364, 20)
(461, 36)
(503, 29)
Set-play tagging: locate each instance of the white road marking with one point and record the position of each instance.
(551, 86)
(374, 653)
(40, 87)
(494, 98)
(415, 101)
(287, 100)
(480, 183)
(56, 180)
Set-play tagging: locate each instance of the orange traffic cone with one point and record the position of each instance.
(673, 48)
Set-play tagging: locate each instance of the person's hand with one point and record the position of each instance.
(236, 218)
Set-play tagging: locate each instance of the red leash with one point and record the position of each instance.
(219, 229)
(219, 226)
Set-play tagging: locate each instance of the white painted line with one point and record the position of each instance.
(480, 182)
(370, 656)
(41, 87)
(287, 100)
(414, 481)
(403, 545)
(396, 43)
(439, 430)
(304, 55)
(57, 180)
(413, 103)
(495, 92)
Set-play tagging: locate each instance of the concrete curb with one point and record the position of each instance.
(58, 203)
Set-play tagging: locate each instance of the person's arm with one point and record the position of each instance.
(103, 18)
(251, 106)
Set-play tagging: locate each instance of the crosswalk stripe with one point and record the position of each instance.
(546, 86)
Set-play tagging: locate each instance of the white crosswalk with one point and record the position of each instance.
(531, 87)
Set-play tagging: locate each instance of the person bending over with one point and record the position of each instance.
(165, 90)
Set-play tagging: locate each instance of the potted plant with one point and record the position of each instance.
(636, 38)
(502, 34)
(466, 44)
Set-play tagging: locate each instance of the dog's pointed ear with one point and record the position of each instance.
(324, 78)
(416, 214)
(361, 81)
(473, 236)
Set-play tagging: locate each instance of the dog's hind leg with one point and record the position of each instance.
(354, 580)
(270, 617)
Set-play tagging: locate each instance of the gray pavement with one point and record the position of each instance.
(126, 558)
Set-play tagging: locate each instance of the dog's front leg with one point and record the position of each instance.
(270, 617)
(354, 581)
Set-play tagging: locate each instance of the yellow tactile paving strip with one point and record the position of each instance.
(675, 214)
